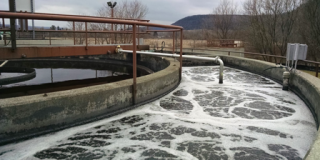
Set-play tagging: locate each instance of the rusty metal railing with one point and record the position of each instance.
(267, 57)
(74, 18)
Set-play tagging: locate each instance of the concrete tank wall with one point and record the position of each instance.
(38, 113)
(306, 86)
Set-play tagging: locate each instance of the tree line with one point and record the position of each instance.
(268, 25)
(123, 10)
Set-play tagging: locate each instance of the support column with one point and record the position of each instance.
(12, 7)
(173, 44)
(74, 34)
(181, 38)
(134, 57)
(86, 25)
(317, 70)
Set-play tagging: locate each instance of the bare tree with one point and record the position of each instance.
(78, 26)
(271, 23)
(309, 27)
(221, 24)
(124, 10)
(223, 21)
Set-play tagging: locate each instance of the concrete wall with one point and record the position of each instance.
(306, 86)
(38, 113)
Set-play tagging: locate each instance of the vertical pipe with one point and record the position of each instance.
(111, 17)
(27, 25)
(32, 10)
(112, 35)
(5, 39)
(138, 36)
(134, 55)
(21, 25)
(173, 43)
(317, 70)
(3, 25)
(181, 36)
(74, 34)
(12, 8)
(4, 32)
(50, 38)
(51, 76)
(86, 35)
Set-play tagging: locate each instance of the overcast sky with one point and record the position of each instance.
(160, 11)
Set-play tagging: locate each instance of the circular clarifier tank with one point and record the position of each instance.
(29, 77)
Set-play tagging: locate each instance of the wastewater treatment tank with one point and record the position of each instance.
(42, 76)
(249, 117)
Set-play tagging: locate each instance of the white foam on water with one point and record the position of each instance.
(257, 116)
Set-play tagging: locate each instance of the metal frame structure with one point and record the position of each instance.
(268, 59)
(86, 19)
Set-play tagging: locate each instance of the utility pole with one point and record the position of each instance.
(112, 5)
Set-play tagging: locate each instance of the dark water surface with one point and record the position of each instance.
(48, 75)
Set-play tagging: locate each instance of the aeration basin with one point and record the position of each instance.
(247, 117)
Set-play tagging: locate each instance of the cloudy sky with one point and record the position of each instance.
(160, 11)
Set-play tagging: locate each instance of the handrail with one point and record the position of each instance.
(142, 20)
(86, 19)
(76, 18)
(259, 54)
(71, 31)
(167, 30)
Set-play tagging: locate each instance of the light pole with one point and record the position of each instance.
(112, 6)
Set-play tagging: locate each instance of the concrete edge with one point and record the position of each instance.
(306, 86)
(165, 81)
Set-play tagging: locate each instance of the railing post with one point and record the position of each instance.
(86, 35)
(134, 57)
(5, 39)
(173, 44)
(228, 53)
(138, 36)
(317, 70)
(12, 8)
(49, 38)
(3, 24)
(74, 34)
(95, 38)
(180, 71)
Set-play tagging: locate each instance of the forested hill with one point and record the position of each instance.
(191, 22)
(196, 21)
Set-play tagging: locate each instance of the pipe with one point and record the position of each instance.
(57, 17)
(5, 62)
(216, 59)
